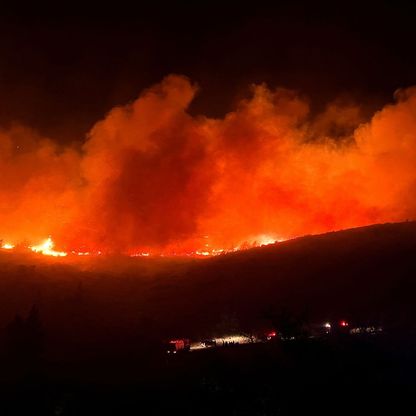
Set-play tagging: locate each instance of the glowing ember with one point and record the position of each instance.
(81, 253)
(7, 246)
(202, 253)
(46, 248)
(265, 240)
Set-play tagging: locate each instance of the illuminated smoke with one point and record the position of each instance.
(150, 178)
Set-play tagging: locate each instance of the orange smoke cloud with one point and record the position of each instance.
(150, 177)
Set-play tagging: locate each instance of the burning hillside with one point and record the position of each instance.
(152, 179)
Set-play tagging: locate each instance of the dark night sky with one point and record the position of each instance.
(62, 68)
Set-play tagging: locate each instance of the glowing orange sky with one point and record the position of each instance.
(150, 177)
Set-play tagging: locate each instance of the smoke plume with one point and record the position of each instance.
(150, 177)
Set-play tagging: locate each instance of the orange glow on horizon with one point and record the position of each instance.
(151, 179)
(47, 248)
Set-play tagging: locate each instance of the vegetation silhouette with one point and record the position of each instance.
(25, 341)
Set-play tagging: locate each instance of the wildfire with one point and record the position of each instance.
(153, 180)
(209, 251)
(141, 254)
(46, 248)
(7, 246)
(265, 240)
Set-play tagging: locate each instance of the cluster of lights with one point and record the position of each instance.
(342, 324)
(271, 335)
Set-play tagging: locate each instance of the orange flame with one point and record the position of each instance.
(46, 248)
(151, 179)
(7, 246)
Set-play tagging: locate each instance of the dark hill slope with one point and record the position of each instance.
(363, 274)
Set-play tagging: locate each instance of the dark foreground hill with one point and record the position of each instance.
(93, 343)
(363, 275)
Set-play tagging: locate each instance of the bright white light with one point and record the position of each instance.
(46, 248)
(202, 253)
(7, 246)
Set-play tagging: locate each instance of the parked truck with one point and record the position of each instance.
(178, 345)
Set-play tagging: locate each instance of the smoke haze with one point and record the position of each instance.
(150, 177)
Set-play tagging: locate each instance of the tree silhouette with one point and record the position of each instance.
(289, 324)
(25, 340)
